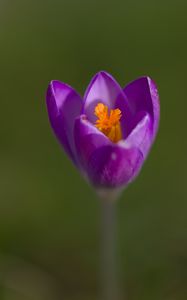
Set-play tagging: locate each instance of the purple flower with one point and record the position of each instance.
(109, 132)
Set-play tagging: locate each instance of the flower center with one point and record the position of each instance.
(109, 124)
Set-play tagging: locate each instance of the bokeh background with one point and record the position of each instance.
(49, 217)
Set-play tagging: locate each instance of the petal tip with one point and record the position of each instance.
(53, 84)
(104, 74)
(151, 83)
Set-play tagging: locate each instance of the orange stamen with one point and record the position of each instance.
(109, 124)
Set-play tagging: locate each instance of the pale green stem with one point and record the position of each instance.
(109, 270)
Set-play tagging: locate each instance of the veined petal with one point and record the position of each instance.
(64, 105)
(87, 139)
(142, 95)
(104, 89)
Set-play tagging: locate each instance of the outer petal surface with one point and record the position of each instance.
(103, 88)
(87, 139)
(114, 166)
(142, 95)
(64, 105)
(141, 136)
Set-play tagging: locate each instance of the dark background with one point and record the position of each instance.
(49, 217)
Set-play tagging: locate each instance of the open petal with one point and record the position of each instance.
(87, 139)
(114, 166)
(103, 88)
(142, 95)
(64, 105)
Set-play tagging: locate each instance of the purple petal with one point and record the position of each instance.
(87, 139)
(141, 136)
(103, 88)
(64, 105)
(114, 166)
(107, 164)
(142, 95)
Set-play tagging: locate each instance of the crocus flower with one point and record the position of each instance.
(108, 133)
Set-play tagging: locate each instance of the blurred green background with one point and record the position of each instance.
(49, 218)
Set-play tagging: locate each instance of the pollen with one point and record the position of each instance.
(109, 122)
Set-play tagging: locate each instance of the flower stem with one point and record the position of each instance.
(109, 252)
